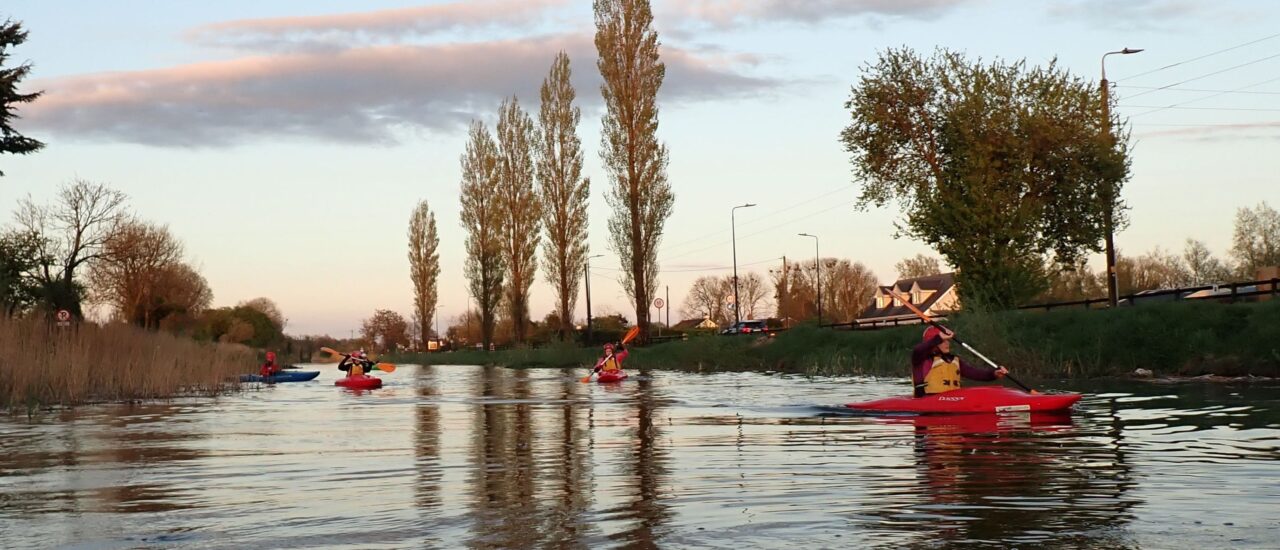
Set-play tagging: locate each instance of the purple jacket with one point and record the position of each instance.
(922, 362)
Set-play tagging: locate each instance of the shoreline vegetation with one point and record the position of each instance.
(1171, 340)
(48, 366)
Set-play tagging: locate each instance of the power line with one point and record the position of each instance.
(1236, 47)
(1275, 123)
(1199, 90)
(697, 269)
(1159, 108)
(765, 230)
(1180, 105)
(1203, 76)
(703, 238)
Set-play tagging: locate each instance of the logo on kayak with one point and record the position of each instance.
(945, 398)
(1013, 408)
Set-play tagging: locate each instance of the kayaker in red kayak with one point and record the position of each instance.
(934, 369)
(355, 364)
(270, 367)
(612, 360)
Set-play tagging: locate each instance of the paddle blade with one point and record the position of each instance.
(385, 367)
(586, 378)
(331, 351)
(631, 334)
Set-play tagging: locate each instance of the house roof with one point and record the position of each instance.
(940, 284)
(688, 324)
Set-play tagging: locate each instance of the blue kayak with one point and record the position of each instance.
(283, 376)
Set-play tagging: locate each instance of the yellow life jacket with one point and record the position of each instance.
(610, 364)
(357, 369)
(943, 376)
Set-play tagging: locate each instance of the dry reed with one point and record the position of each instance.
(44, 365)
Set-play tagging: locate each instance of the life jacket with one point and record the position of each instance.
(357, 369)
(943, 375)
(610, 364)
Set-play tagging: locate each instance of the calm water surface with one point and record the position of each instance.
(491, 457)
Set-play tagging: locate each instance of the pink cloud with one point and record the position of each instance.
(374, 26)
(362, 94)
(728, 13)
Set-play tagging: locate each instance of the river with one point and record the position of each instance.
(457, 456)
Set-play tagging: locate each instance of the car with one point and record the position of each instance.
(746, 327)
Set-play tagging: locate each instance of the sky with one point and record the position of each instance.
(286, 143)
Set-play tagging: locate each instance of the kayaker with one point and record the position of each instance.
(355, 364)
(934, 369)
(612, 360)
(270, 367)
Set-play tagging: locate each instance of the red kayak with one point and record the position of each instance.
(362, 382)
(611, 376)
(982, 399)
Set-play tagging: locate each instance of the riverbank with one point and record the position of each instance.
(46, 366)
(1173, 339)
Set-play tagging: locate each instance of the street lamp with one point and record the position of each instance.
(817, 265)
(586, 277)
(733, 231)
(1109, 216)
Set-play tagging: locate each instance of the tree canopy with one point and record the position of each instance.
(996, 165)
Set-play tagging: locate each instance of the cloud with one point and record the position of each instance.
(358, 95)
(731, 13)
(394, 25)
(1217, 132)
(1128, 14)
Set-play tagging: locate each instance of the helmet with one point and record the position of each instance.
(608, 346)
(271, 356)
(931, 332)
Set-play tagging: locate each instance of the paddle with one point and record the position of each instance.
(629, 336)
(924, 317)
(384, 367)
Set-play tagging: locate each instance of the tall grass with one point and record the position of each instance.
(1170, 339)
(45, 366)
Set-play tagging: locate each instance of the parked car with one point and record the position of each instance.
(747, 327)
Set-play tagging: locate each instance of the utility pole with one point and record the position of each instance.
(668, 306)
(733, 230)
(1109, 197)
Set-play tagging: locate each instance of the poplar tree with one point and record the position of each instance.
(563, 191)
(518, 203)
(424, 267)
(481, 217)
(638, 192)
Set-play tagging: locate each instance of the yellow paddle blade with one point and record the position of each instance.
(385, 367)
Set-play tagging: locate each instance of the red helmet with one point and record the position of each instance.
(608, 347)
(271, 356)
(931, 332)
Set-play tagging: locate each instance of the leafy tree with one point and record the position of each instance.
(12, 142)
(518, 206)
(919, 266)
(481, 217)
(636, 162)
(424, 268)
(996, 165)
(386, 330)
(1076, 282)
(1256, 241)
(564, 193)
(19, 258)
(140, 274)
(267, 307)
(73, 233)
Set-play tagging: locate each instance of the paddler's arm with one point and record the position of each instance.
(920, 356)
(621, 353)
(983, 374)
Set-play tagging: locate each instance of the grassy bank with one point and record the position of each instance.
(1170, 339)
(49, 366)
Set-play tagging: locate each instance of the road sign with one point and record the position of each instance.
(63, 316)
(658, 303)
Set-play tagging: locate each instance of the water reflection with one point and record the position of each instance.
(491, 457)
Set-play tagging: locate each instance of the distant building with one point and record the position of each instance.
(935, 295)
(695, 324)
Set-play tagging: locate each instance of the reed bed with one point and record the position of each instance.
(48, 366)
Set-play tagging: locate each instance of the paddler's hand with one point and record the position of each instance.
(946, 333)
(1000, 372)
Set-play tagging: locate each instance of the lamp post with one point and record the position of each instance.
(1109, 216)
(733, 231)
(817, 267)
(586, 277)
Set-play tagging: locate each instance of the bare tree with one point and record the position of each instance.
(424, 268)
(564, 192)
(72, 232)
(847, 288)
(1202, 267)
(386, 330)
(520, 211)
(708, 299)
(753, 294)
(919, 266)
(1256, 240)
(639, 193)
(128, 272)
(481, 217)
